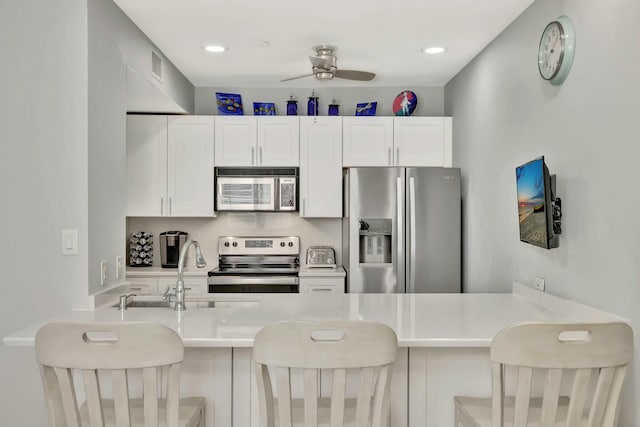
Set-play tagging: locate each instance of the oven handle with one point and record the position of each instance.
(244, 280)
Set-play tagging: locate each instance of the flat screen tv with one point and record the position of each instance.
(535, 204)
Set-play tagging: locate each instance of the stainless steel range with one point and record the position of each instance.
(256, 264)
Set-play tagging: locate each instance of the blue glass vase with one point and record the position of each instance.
(292, 107)
(312, 105)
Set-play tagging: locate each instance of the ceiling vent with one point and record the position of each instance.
(156, 66)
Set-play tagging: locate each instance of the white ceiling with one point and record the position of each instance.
(380, 36)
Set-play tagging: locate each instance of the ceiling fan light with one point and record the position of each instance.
(434, 49)
(215, 48)
(324, 75)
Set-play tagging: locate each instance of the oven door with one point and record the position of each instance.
(246, 194)
(253, 284)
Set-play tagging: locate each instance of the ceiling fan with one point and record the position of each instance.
(324, 67)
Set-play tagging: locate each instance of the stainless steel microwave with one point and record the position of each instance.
(256, 189)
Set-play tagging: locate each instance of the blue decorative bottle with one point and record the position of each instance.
(334, 108)
(312, 105)
(292, 107)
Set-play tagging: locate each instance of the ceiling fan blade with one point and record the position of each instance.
(363, 76)
(297, 77)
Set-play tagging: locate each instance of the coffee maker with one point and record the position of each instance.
(171, 243)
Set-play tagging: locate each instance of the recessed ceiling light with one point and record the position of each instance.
(435, 49)
(215, 48)
(263, 43)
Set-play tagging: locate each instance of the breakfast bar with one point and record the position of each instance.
(443, 342)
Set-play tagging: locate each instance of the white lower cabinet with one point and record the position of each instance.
(143, 286)
(157, 285)
(321, 285)
(192, 284)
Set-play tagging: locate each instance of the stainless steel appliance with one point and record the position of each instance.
(171, 243)
(256, 264)
(321, 256)
(256, 189)
(402, 230)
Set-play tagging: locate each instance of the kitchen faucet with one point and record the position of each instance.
(179, 289)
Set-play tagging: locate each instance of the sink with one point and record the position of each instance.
(190, 304)
(148, 304)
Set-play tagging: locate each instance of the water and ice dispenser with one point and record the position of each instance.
(375, 240)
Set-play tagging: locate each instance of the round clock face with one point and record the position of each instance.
(555, 54)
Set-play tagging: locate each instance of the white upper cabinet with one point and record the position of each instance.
(422, 141)
(397, 141)
(169, 165)
(190, 165)
(321, 167)
(367, 141)
(278, 141)
(257, 141)
(146, 165)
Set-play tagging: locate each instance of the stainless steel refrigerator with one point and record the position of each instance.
(402, 230)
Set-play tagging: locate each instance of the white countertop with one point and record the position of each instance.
(420, 320)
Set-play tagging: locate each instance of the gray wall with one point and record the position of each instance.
(107, 144)
(44, 185)
(587, 129)
(430, 98)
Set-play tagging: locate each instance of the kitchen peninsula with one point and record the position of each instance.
(443, 342)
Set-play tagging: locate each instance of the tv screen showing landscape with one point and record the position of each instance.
(531, 202)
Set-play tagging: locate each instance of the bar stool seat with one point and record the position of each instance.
(78, 359)
(347, 350)
(583, 366)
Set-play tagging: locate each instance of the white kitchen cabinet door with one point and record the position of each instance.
(321, 285)
(321, 167)
(143, 285)
(190, 165)
(367, 141)
(422, 141)
(235, 141)
(147, 165)
(193, 285)
(278, 141)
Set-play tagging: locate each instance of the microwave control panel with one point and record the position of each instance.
(287, 194)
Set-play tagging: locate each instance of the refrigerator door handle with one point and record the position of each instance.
(400, 231)
(412, 236)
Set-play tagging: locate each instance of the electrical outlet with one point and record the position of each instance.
(538, 283)
(103, 272)
(119, 271)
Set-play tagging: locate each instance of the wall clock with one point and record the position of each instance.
(555, 53)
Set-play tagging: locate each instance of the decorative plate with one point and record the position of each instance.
(366, 109)
(229, 104)
(264, 109)
(405, 103)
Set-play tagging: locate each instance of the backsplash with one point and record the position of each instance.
(312, 232)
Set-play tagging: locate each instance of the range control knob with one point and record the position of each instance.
(290, 244)
(282, 244)
(226, 244)
(235, 244)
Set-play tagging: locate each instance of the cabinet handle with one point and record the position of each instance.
(253, 156)
(397, 155)
(390, 163)
(321, 289)
(161, 206)
(260, 151)
(137, 288)
(303, 205)
(170, 206)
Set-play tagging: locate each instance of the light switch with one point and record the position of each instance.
(69, 242)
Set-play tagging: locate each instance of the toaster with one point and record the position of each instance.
(321, 256)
